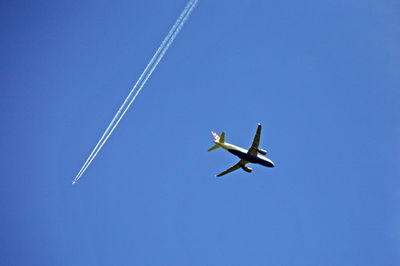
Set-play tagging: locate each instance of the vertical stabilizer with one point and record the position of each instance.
(216, 137)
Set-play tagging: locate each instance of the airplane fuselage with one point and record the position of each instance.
(243, 155)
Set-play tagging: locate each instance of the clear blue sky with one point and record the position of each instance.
(322, 77)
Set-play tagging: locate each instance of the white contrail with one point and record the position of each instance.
(134, 97)
(162, 49)
(183, 13)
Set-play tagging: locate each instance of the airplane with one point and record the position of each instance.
(246, 156)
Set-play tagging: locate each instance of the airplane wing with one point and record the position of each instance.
(240, 164)
(256, 142)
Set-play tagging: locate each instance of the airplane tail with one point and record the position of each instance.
(213, 148)
(218, 139)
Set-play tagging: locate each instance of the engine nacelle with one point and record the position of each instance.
(263, 152)
(247, 169)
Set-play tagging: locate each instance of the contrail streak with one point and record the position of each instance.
(162, 49)
(138, 81)
(140, 88)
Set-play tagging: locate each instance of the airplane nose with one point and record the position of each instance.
(271, 163)
(268, 163)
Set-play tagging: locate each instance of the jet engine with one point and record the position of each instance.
(263, 152)
(247, 169)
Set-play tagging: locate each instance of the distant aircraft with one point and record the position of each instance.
(246, 156)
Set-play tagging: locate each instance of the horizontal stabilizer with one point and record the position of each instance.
(213, 148)
(222, 138)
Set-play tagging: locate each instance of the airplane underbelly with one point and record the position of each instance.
(250, 158)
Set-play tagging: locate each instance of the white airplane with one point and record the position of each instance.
(246, 156)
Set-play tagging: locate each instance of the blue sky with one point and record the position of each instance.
(321, 76)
